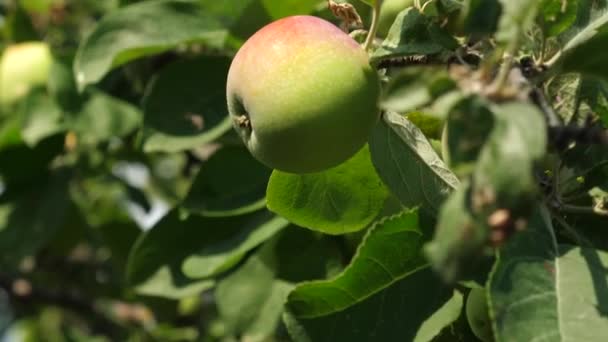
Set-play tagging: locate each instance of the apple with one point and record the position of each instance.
(22, 67)
(478, 316)
(388, 13)
(302, 95)
(39, 6)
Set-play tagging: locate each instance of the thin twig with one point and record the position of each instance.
(374, 26)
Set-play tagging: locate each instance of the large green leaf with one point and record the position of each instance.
(408, 164)
(540, 290)
(185, 105)
(230, 183)
(155, 263)
(143, 29)
(590, 57)
(389, 252)
(593, 17)
(416, 308)
(219, 257)
(340, 200)
(251, 299)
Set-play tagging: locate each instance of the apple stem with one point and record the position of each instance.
(374, 27)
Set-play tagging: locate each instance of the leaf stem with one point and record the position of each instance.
(374, 26)
(505, 68)
(577, 209)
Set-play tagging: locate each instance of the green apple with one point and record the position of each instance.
(38, 6)
(23, 66)
(388, 13)
(302, 95)
(478, 316)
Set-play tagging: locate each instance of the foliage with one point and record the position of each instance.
(130, 210)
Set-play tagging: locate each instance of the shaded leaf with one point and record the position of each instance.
(40, 118)
(413, 33)
(155, 262)
(518, 16)
(103, 117)
(408, 164)
(415, 308)
(414, 88)
(219, 257)
(33, 218)
(589, 57)
(143, 29)
(230, 183)
(458, 246)
(251, 299)
(183, 112)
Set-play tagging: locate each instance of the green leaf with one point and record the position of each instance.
(251, 299)
(413, 33)
(23, 166)
(408, 164)
(469, 124)
(518, 16)
(389, 252)
(416, 308)
(216, 258)
(230, 183)
(481, 17)
(284, 8)
(593, 98)
(414, 88)
(40, 118)
(185, 105)
(592, 19)
(460, 238)
(340, 200)
(143, 29)
(155, 263)
(556, 16)
(519, 138)
(61, 84)
(103, 117)
(542, 290)
(30, 220)
(566, 88)
(590, 57)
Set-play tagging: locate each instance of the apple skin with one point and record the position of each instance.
(23, 66)
(307, 93)
(388, 13)
(38, 6)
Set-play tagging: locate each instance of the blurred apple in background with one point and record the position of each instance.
(22, 67)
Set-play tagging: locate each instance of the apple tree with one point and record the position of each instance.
(304, 170)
